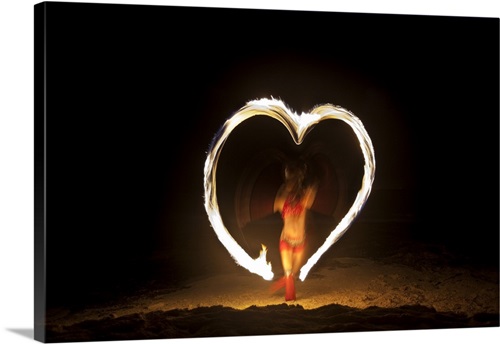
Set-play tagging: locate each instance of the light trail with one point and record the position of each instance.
(298, 127)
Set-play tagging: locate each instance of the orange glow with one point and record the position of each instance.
(298, 127)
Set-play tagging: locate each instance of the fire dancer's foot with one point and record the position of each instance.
(277, 285)
(290, 288)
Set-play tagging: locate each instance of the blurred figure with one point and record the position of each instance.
(293, 200)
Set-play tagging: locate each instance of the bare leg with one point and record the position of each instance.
(297, 261)
(287, 261)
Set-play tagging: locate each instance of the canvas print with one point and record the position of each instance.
(212, 172)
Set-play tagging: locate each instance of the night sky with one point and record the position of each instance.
(135, 95)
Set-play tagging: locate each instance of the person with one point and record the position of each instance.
(293, 200)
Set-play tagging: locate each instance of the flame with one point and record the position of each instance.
(262, 256)
(298, 127)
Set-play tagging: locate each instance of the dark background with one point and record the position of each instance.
(136, 93)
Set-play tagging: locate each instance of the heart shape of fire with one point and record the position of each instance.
(298, 126)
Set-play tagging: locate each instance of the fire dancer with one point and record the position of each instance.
(294, 198)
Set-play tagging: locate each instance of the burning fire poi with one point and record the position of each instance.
(298, 127)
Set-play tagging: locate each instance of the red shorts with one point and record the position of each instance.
(295, 248)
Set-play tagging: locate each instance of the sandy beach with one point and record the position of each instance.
(358, 286)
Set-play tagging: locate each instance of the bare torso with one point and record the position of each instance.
(294, 223)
